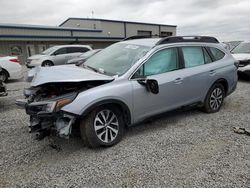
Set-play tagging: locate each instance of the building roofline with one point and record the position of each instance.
(117, 21)
(41, 27)
(59, 37)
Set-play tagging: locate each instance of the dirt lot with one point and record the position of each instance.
(180, 149)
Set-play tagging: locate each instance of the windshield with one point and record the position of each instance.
(117, 58)
(49, 50)
(242, 48)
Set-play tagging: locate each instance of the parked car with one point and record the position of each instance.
(232, 44)
(2, 86)
(242, 54)
(11, 68)
(126, 83)
(57, 55)
(82, 58)
(76, 61)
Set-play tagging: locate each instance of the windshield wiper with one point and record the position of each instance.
(99, 70)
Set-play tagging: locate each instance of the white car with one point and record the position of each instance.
(57, 55)
(11, 68)
(242, 54)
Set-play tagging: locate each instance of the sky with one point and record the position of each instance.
(225, 19)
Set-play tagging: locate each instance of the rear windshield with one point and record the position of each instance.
(242, 48)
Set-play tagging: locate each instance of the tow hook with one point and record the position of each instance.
(42, 134)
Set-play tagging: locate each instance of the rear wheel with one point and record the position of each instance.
(47, 64)
(104, 126)
(214, 98)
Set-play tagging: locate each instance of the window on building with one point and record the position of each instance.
(144, 33)
(30, 50)
(166, 34)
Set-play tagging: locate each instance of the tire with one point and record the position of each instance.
(47, 64)
(214, 98)
(5, 75)
(95, 131)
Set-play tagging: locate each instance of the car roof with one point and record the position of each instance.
(71, 45)
(150, 42)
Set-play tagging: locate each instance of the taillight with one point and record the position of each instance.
(14, 60)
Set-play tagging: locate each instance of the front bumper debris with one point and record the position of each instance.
(3, 91)
(47, 123)
(21, 103)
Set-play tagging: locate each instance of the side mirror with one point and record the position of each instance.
(54, 54)
(150, 84)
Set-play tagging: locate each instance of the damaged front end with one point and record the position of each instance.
(46, 117)
(44, 103)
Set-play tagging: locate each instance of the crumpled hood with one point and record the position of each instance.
(37, 56)
(241, 56)
(66, 73)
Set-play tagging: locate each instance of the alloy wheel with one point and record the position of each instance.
(106, 125)
(216, 98)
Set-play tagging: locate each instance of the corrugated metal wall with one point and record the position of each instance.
(99, 34)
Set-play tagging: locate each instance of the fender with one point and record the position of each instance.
(125, 109)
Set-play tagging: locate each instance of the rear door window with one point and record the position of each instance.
(207, 57)
(77, 49)
(193, 56)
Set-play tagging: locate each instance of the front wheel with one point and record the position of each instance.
(104, 126)
(214, 98)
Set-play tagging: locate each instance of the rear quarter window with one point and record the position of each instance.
(217, 54)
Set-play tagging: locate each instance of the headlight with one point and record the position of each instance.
(57, 104)
(50, 107)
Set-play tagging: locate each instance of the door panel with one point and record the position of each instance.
(198, 72)
(163, 66)
(59, 56)
(169, 97)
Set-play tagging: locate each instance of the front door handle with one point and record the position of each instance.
(178, 80)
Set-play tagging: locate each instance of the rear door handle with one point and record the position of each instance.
(212, 72)
(178, 80)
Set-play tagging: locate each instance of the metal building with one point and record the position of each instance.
(26, 40)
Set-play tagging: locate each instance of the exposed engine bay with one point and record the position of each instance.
(43, 103)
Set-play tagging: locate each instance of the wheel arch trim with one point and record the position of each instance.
(125, 109)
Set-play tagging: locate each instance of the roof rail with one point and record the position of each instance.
(140, 37)
(177, 39)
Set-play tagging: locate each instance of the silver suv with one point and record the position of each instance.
(126, 83)
(57, 55)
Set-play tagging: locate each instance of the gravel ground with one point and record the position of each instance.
(180, 149)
